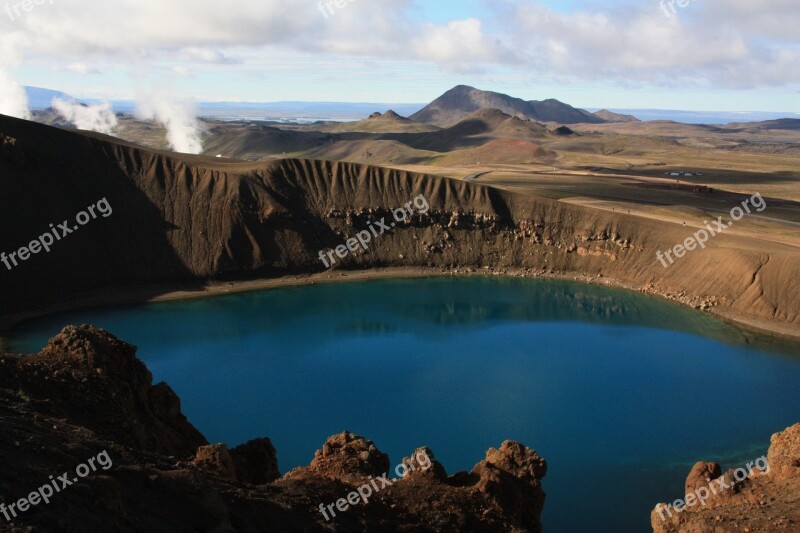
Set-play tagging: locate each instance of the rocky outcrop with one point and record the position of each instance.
(95, 380)
(763, 495)
(511, 476)
(217, 460)
(86, 393)
(347, 457)
(256, 462)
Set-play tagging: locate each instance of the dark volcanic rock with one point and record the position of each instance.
(256, 462)
(511, 475)
(216, 459)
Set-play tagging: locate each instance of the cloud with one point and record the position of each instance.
(725, 43)
(712, 44)
(183, 72)
(82, 68)
(196, 54)
(460, 46)
(98, 117)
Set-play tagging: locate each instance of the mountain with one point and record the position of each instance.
(459, 102)
(39, 98)
(779, 124)
(303, 111)
(610, 116)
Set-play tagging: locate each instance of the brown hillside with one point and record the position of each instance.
(477, 129)
(389, 122)
(193, 218)
(499, 151)
(370, 152)
(255, 141)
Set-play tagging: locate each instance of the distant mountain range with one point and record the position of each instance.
(40, 99)
(450, 108)
(610, 116)
(705, 117)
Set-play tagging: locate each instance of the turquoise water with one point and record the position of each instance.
(620, 392)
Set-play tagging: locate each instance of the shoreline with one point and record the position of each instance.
(178, 291)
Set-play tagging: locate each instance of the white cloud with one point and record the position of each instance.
(460, 46)
(82, 68)
(196, 54)
(725, 43)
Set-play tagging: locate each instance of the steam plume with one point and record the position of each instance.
(183, 131)
(99, 117)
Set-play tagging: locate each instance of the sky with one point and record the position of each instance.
(712, 55)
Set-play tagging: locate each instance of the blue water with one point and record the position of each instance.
(619, 392)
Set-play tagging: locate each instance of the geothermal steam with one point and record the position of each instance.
(13, 100)
(99, 117)
(183, 132)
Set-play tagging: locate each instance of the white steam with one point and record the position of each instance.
(183, 131)
(13, 100)
(99, 117)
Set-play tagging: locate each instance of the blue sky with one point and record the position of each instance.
(726, 55)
